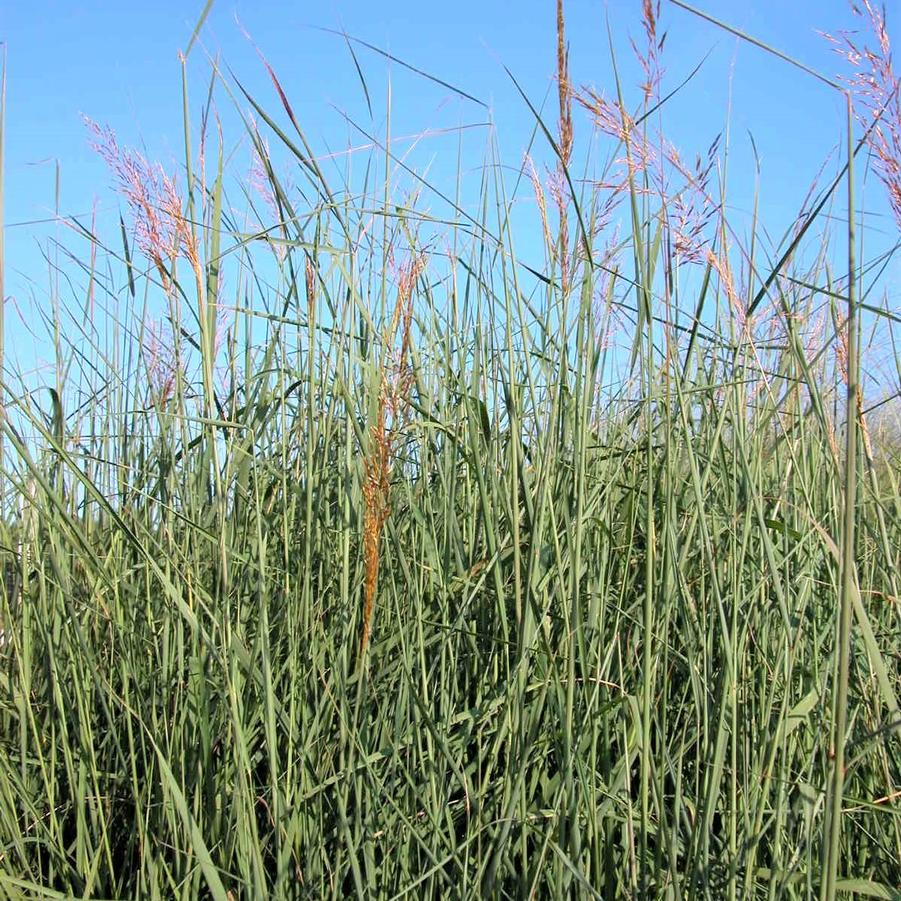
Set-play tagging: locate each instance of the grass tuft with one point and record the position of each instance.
(361, 544)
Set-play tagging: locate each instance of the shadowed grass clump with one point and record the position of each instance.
(351, 553)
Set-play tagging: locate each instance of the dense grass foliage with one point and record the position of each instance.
(348, 555)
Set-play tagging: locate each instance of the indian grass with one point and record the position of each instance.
(351, 553)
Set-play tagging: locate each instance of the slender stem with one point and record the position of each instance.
(834, 826)
(2, 257)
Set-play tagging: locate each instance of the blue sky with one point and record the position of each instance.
(118, 63)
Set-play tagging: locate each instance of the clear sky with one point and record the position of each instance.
(117, 62)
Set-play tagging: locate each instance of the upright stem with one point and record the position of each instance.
(834, 825)
(2, 259)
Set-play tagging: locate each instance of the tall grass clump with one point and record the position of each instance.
(363, 544)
